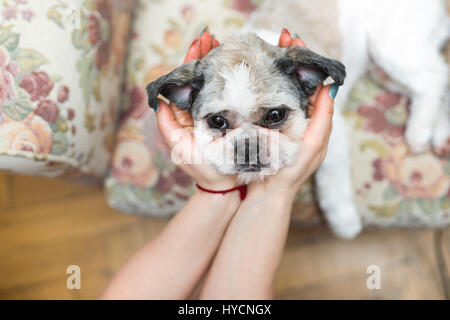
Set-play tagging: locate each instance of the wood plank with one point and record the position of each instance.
(28, 190)
(336, 268)
(6, 193)
(51, 289)
(121, 244)
(149, 228)
(94, 283)
(443, 245)
(98, 256)
(42, 262)
(63, 218)
(40, 238)
(396, 284)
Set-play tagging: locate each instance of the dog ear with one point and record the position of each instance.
(309, 69)
(179, 86)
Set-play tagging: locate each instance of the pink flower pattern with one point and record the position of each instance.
(27, 14)
(375, 116)
(30, 117)
(47, 110)
(7, 72)
(63, 93)
(9, 13)
(37, 83)
(244, 6)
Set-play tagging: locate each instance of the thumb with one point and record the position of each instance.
(194, 51)
(285, 38)
(168, 125)
(320, 126)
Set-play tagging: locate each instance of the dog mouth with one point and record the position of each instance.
(251, 167)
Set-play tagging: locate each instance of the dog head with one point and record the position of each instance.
(249, 102)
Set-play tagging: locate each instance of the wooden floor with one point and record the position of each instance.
(48, 224)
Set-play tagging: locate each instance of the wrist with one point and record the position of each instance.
(271, 192)
(229, 201)
(242, 191)
(223, 184)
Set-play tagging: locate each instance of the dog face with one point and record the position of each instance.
(249, 102)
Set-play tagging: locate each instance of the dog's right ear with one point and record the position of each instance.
(309, 69)
(180, 86)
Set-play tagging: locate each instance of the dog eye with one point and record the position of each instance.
(275, 117)
(217, 122)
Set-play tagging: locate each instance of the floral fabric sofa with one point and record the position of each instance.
(61, 69)
(79, 107)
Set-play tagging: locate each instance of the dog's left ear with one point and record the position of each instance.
(309, 69)
(179, 86)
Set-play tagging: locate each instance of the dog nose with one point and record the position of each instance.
(246, 151)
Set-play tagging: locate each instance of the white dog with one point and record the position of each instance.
(404, 37)
(246, 89)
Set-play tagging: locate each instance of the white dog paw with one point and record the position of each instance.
(418, 137)
(346, 223)
(348, 231)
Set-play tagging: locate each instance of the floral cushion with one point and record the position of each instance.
(59, 102)
(392, 186)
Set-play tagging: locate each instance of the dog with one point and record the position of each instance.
(248, 88)
(241, 93)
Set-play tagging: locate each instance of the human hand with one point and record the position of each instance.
(315, 139)
(177, 128)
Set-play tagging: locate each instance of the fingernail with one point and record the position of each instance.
(215, 43)
(156, 106)
(296, 36)
(333, 90)
(203, 30)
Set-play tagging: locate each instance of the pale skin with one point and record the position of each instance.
(232, 247)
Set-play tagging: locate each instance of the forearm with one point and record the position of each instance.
(170, 265)
(251, 251)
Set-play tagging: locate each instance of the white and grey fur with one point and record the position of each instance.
(404, 37)
(242, 80)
